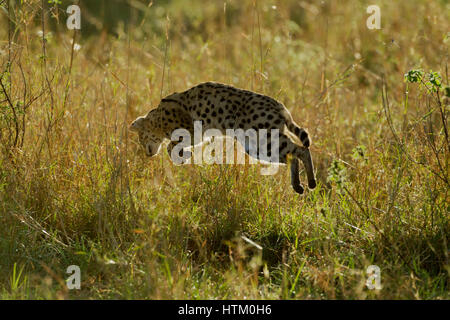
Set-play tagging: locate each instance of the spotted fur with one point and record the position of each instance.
(223, 107)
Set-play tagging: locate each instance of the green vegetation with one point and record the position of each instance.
(76, 188)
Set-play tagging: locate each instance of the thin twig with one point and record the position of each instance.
(165, 56)
(380, 232)
(385, 102)
(13, 109)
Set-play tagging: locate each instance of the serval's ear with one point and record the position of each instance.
(137, 124)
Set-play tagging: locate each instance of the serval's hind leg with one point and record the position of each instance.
(298, 153)
(305, 155)
(295, 176)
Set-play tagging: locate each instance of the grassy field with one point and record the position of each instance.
(77, 189)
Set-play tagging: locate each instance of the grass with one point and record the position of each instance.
(76, 189)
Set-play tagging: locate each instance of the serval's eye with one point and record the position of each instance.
(149, 148)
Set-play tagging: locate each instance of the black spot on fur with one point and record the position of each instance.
(303, 136)
(306, 143)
